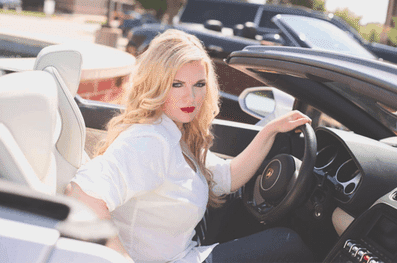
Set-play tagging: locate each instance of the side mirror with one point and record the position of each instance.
(265, 103)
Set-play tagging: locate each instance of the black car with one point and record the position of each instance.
(336, 187)
(11, 4)
(220, 15)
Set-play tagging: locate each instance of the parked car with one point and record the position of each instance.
(136, 19)
(336, 186)
(11, 4)
(234, 15)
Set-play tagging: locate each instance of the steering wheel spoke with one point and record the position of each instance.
(263, 207)
(283, 182)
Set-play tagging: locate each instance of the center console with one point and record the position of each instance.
(372, 237)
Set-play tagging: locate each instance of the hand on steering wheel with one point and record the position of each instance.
(283, 182)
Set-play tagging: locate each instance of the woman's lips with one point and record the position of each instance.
(188, 109)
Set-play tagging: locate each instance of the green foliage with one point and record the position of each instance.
(392, 34)
(371, 32)
(317, 5)
(352, 19)
(23, 13)
(154, 4)
(304, 3)
(159, 6)
(374, 36)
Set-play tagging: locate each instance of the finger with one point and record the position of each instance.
(300, 122)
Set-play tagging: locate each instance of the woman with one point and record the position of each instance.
(154, 175)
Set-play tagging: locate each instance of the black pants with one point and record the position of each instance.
(272, 245)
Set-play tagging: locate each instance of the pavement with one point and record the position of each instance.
(60, 28)
(76, 29)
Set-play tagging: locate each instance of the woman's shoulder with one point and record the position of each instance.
(161, 130)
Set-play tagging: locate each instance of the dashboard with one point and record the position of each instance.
(361, 173)
(336, 165)
(356, 169)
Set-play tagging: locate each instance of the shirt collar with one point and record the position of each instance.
(173, 132)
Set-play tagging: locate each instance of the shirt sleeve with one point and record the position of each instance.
(129, 167)
(220, 169)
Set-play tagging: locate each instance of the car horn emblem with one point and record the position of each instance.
(269, 173)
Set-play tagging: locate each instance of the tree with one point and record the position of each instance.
(352, 19)
(317, 5)
(157, 6)
(392, 34)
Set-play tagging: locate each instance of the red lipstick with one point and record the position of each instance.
(188, 109)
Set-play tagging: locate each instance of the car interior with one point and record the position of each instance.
(341, 189)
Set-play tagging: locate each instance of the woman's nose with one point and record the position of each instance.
(190, 93)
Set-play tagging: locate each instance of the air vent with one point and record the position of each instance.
(394, 196)
(348, 176)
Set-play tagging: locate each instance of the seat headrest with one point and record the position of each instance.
(28, 111)
(67, 61)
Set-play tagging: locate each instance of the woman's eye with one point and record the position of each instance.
(200, 84)
(176, 85)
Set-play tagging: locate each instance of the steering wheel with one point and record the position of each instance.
(283, 182)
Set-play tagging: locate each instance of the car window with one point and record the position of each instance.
(385, 114)
(266, 20)
(322, 35)
(230, 14)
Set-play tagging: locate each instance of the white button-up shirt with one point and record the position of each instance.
(156, 199)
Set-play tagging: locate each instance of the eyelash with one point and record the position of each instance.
(178, 85)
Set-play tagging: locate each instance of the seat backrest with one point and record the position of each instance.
(64, 63)
(28, 129)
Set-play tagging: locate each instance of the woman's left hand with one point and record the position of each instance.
(289, 121)
(244, 166)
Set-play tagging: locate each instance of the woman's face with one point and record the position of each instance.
(187, 93)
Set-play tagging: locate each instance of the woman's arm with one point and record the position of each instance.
(100, 208)
(244, 166)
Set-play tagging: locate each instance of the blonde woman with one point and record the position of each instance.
(154, 175)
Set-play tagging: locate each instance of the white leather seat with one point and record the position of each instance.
(42, 137)
(64, 63)
(28, 129)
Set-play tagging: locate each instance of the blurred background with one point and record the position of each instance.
(26, 26)
(373, 19)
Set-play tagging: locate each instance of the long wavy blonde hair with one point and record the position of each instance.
(152, 79)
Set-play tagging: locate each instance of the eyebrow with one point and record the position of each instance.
(201, 80)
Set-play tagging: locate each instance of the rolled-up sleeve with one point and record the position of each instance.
(129, 167)
(220, 169)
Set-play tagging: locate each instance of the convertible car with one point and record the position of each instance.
(335, 183)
